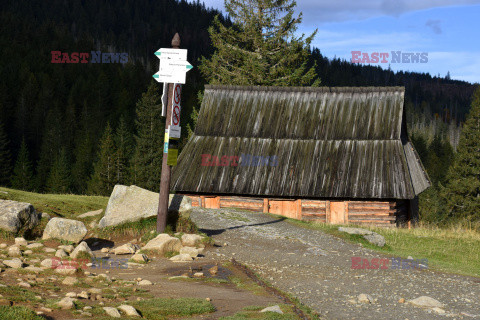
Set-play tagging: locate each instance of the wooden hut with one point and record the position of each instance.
(336, 155)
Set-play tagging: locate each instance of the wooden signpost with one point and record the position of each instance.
(173, 69)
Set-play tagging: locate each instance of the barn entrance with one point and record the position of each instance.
(337, 212)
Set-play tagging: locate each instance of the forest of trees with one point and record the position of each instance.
(82, 128)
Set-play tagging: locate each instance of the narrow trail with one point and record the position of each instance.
(316, 268)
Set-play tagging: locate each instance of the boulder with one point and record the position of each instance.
(127, 204)
(191, 251)
(48, 263)
(35, 245)
(16, 215)
(14, 251)
(14, 263)
(91, 213)
(127, 248)
(65, 229)
(145, 283)
(21, 242)
(375, 239)
(82, 247)
(163, 243)
(181, 258)
(66, 303)
(33, 269)
(112, 312)
(129, 310)
(139, 257)
(61, 253)
(370, 236)
(275, 309)
(68, 248)
(359, 231)
(70, 281)
(192, 240)
(426, 302)
(365, 298)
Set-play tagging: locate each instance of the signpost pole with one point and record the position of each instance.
(166, 169)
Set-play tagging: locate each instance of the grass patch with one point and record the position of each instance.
(61, 205)
(252, 312)
(17, 294)
(132, 229)
(17, 312)
(453, 249)
(159, 308)
(170, 254)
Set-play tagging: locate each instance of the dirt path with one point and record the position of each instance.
(316, 268)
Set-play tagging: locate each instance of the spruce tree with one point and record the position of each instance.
(462, 194)
(147, 160)
(59, 180)
(260, 48)
(22, 173)
(103, 178)
(123, 143)
(5, 158)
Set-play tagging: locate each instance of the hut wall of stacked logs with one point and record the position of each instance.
(335, 155)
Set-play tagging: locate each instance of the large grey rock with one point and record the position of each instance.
(359, 231)
(91, 213)
(14, 263)
(370, 236)
(127, 248)
(183, 257)
(375, 239)
(82, 247)
(426, 302)
(127, 204)
(112, 312)
(65, 229)
(275, 309)
(192, 240)
(129, 310)
(16, 215)
(163, 243)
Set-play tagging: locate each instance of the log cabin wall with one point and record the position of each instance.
(372, 213)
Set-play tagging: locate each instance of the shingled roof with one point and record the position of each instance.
(329, 143)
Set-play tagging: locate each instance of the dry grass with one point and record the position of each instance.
(453, 248)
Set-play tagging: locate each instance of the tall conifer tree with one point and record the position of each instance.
(103, 178)
(59, 180)
(22, 173)
(462, 193)
(5, 158)
(123, 143)
(147, 160)
(260, 48)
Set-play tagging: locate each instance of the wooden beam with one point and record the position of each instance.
(265, 205)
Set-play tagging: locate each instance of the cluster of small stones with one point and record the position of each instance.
(189, 246)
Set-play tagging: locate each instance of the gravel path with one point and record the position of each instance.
(316, 268)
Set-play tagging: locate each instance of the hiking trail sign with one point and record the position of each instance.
(173, 65)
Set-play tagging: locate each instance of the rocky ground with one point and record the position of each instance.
(316, 268)
(113, 284)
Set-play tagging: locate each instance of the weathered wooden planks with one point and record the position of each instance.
(374, 213)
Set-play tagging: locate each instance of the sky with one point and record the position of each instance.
(447, 30)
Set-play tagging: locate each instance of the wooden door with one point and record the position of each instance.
(212, 202)
(337, 212)
(286, 208)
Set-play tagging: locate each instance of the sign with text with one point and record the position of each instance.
(173, 65)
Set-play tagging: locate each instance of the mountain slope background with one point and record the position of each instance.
(61, 110)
